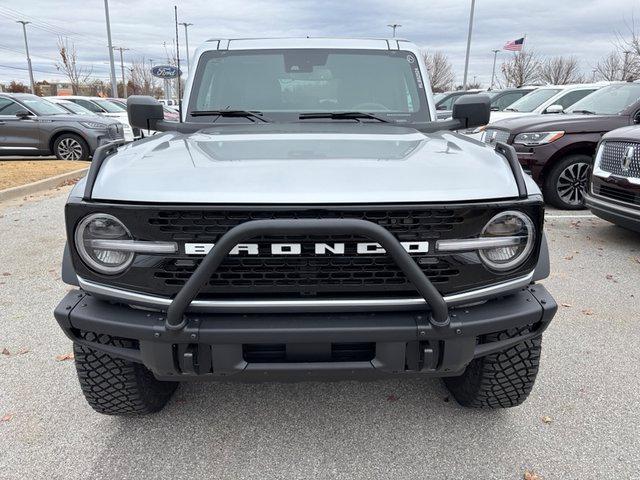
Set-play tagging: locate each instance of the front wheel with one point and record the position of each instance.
(499, 380)
(70, 147)
(114, 386)
(567, 181)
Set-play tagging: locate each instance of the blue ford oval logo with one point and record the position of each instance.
(165, 71)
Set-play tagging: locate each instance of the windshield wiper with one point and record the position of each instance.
(342, 116)
(509, 109)
(586, 112)
(230, 113)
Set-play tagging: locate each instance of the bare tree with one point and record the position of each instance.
(440, 71)
(141, 82)
(609, 67)
(521, 69)
(561, 71)
(618, 66)
(623, 62)
(76, 74)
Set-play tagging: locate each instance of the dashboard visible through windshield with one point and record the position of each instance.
(283, 85)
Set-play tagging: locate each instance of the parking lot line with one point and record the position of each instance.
(571, 216)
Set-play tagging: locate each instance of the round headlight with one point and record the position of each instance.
(101, 226)
(519, 228)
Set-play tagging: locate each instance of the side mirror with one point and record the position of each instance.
(554, 109)
(472, 111)
(22, 114)
(144, 112)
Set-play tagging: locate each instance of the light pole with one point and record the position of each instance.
(167, 83)
(186, 39)
(124, 85)
(114, 83)
(394, 26)
(26, 47)
(493, 70)
(466, 60)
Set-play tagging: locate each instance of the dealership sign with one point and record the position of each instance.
(165, 71)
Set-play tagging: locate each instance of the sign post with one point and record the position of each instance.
(166, 73)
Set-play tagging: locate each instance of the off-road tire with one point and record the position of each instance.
(550, 186)
(114, 386)
(70, 146)
(499, 380)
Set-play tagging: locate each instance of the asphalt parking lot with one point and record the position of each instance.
(586, 391)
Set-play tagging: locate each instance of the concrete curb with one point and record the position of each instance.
(40, 185)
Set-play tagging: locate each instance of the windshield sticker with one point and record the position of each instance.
(410, 59)
(416, 71)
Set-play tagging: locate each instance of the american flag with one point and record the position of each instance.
(514, 45)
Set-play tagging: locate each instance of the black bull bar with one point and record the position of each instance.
(176, 319)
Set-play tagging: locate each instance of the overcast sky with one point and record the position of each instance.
(582, 28)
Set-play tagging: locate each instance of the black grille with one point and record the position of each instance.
(492, 135)
(613, 154)
(618, 194)
(307, 274)
(115, 131)
(407, 225)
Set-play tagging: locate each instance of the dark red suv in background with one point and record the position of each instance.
(558, 150)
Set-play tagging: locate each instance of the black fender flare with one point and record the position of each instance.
(543, 267)
(68, 272)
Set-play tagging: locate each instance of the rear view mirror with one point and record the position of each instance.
(554, 109)
(144, 112)
(472, 110)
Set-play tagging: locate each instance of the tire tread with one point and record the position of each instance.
(500, 380)
(115, 386)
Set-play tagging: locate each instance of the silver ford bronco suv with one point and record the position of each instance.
(307, 218)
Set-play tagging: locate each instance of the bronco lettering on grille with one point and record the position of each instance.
(366, 248)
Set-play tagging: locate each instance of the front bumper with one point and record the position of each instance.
(624, 215)
(218, 346)
(98, 138)
(534, 159)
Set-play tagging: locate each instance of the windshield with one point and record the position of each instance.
(118, 105)
(107, 105)
(533, 100)
(608, 100)
(285, 83)
(75, 108)
(40, 106)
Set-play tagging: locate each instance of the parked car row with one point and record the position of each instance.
(500, 99)
(69, 127)
(557, 150)
(33, 126)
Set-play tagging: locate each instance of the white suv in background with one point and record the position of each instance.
(547, 99)
(103, 107)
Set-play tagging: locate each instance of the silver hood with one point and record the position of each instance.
(314, 163)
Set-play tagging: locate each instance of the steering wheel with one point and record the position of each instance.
(369, 106)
